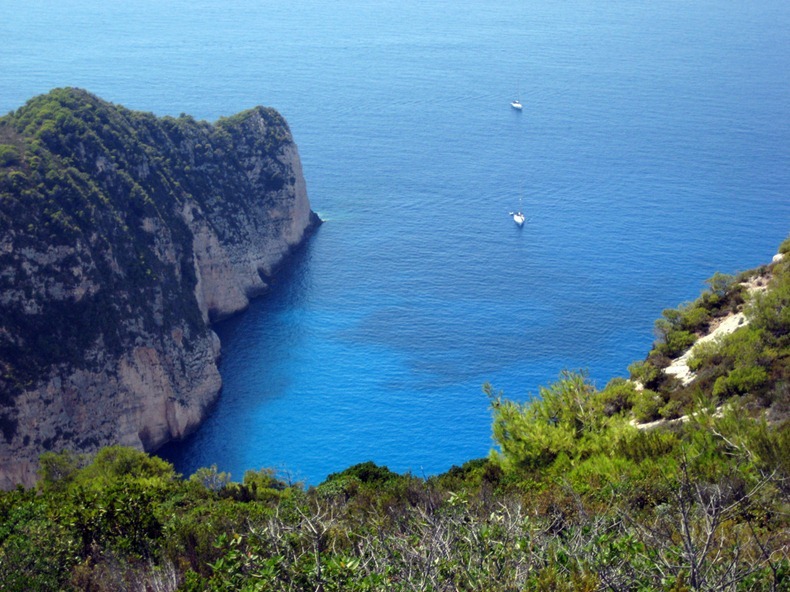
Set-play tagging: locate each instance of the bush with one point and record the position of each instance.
(367, 472)
(9, 155)
(644, 372)
(676, 343)
(618, 396)
(641, 445)
(113, 463)
(58, 470)
(672, 410)
(720, 284)
(704, 354)
(210, 478)
(740, 381)
(647, 406)
(263, 485)
(696, 318)
(565, 419)
(770, 310)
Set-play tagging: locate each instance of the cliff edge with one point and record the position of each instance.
(122, 237)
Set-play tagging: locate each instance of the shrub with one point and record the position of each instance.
(563, 420)
(640, 445)
(263, 484)
(367, 472)
(696, 318)
(647, 405)
(720, 284)
(210, 478)
(672, 410)
(58, 470)
(9, 155)
(645, 372)
(600, 474)
(704, 354)
(676, 343)
(723, 290)
(740, 381)
(343, 487)
(618, 396)
(113, 463)
(770, 310)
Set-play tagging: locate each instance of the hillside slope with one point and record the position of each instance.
(122, 236)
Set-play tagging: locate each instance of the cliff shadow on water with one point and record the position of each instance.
(249, 364)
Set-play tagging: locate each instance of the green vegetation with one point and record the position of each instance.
(576, 496)
(751, 362)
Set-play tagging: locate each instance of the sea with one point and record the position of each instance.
(653, 150)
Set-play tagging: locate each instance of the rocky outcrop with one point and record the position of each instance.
(122, 237)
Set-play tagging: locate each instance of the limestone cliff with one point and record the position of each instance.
(122, 236)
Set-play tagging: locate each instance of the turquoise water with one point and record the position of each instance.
(653, 150)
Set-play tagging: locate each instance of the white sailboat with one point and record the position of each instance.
(518, 216)
(516, 104)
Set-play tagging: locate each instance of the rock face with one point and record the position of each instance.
(122, 237)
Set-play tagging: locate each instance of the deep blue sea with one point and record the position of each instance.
(652, 151)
